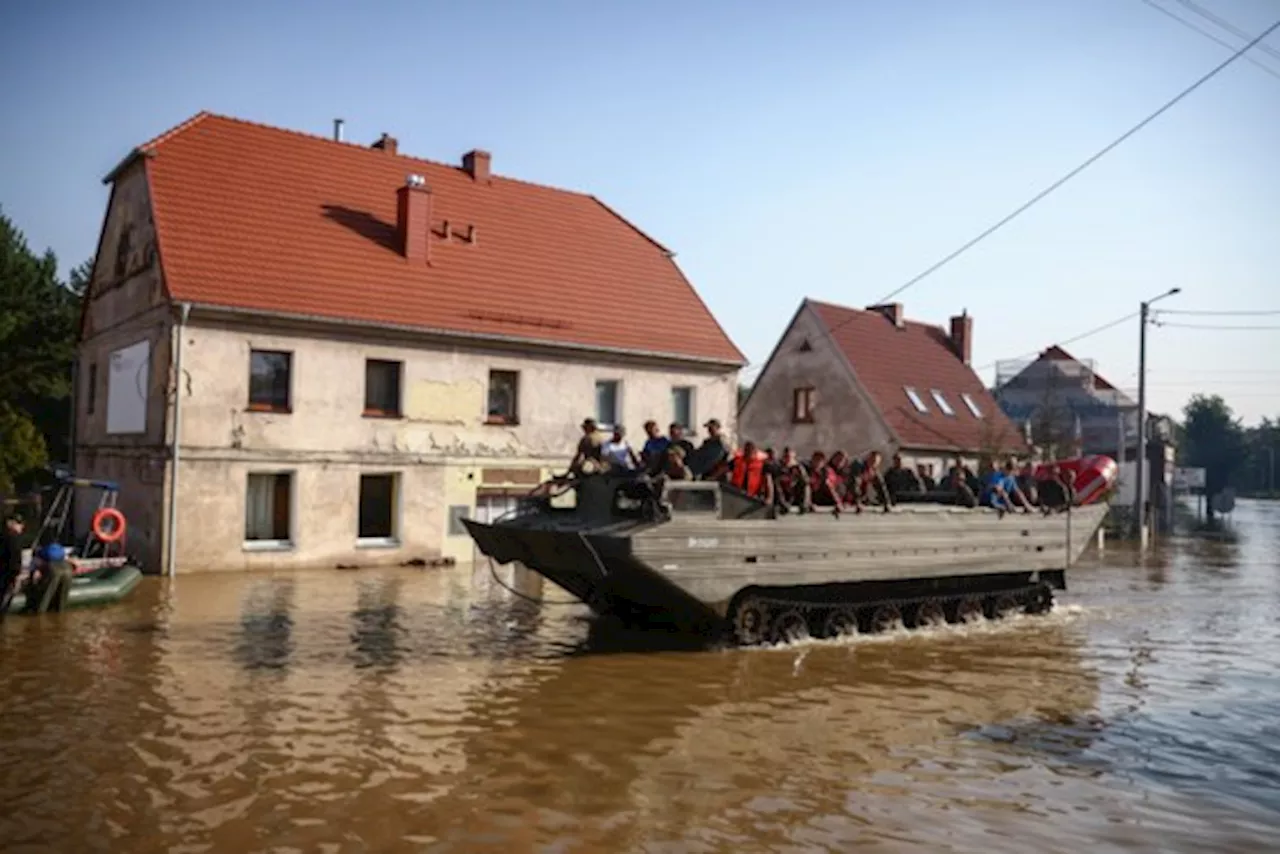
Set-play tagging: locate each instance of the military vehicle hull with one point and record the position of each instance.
(718, 562)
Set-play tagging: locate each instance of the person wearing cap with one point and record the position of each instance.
(711, 460)
(50, 580)
(10, 560)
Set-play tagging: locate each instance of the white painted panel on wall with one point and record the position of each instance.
(127, 383)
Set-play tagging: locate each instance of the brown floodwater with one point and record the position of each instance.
(429, 710)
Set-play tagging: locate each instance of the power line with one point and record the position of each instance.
(1226, 25)
(1083, 335)
(1162, 323)
(1083, 166)
(1242, 313)
(1191, 25)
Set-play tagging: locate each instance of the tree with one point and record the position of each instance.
(39, 318)
(1214, 441)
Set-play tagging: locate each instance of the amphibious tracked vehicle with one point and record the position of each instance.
(705, 557)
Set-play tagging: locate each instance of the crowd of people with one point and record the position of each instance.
(838, 481)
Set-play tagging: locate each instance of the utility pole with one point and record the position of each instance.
(1140, 490)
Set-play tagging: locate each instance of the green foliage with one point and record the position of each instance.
(39, 321)
(1214, 440)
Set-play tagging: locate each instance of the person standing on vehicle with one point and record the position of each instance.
(10, 560)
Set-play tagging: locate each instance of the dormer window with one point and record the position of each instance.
(916, 400)
(973, 407)
(942, 402)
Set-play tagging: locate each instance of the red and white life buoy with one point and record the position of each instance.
(109, 525)
(1091, 476)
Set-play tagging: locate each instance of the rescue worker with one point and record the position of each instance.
(747, 472)
(50, 580)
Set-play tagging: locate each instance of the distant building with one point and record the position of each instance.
(372, 346)
(861, 380)
(1066, 404)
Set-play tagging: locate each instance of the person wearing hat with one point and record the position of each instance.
(712, 457)
(10, 560)
(50, 580)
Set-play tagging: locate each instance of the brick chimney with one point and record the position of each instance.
(891, 310)
(387, 143)
(476, 164)
(962, 336)
(413, 218)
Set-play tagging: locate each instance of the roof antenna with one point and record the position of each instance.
(337, 130)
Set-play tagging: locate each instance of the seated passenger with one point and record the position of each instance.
(589, 458)
(1001, 490)
(824, 482)
(791, 484)
(925, 474)
(870, 488)
(711, 460)
(1027, 482)
(618, 452)
(957, 484)
(749, 473)
(1056, 490)
(673, 467)
(655, 444)
(901, 480)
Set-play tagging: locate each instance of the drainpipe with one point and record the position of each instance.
(172, 538)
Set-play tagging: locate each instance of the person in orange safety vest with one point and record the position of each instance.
(749, 473)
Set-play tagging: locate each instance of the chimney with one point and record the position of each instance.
(891, 310)
(337, 130)
(413, 218)
(476, 163)
(386, 143)
(962, 335)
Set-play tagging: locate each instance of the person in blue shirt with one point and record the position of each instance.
(1000, 490)
(655, 446)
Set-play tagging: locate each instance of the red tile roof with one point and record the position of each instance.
(259, 218)
(887, 358)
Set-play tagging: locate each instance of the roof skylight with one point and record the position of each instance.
(915, 399)
(973, 407)
(942, 402)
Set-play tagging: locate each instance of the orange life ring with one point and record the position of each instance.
(114, 533)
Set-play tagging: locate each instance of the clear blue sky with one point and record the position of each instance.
(831, 149)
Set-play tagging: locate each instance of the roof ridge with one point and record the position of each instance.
(905, 320)
(355, 146)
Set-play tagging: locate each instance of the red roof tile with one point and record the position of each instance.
(886, 359)
(254, 217)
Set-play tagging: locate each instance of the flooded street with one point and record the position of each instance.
(428, 710)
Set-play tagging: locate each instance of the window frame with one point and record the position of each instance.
(503, 420)
(971, 404)
(914, 398)
(601, 422)
(268, 406)
(806, 394)
(944, 405)
(397, 491)
(397, 411)
(691, 391)
(272, 544)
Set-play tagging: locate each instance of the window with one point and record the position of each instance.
(607, 403)
(268, 510)
(973, 407)
(682, 406)
(269, 372)
(915, 399)
(802, 402)
(91, 392)
(382, 388)
(504, 398)
(377, 524)
(942, 402)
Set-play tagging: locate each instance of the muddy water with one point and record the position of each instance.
(429, 711)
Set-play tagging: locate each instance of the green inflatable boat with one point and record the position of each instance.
(101, 586)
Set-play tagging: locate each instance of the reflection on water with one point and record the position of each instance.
(420, 710)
